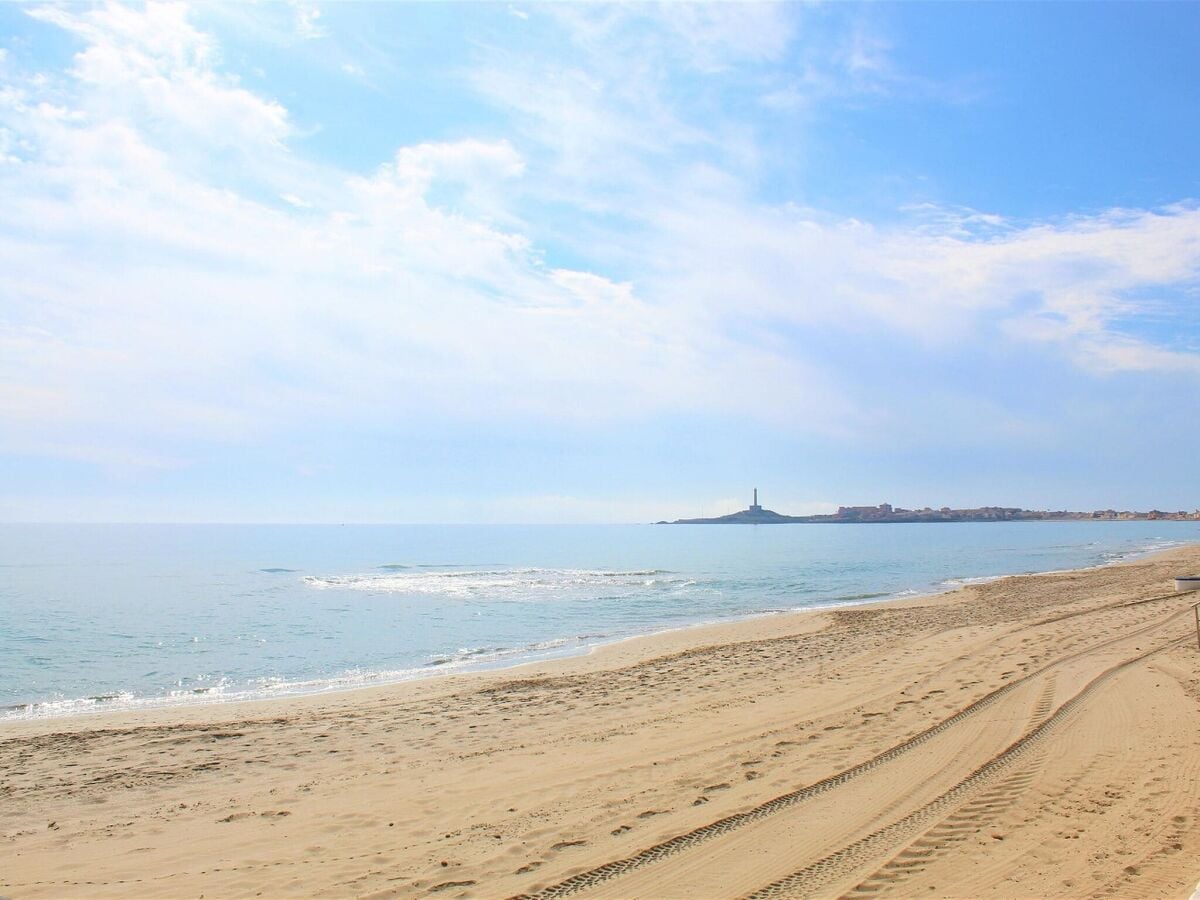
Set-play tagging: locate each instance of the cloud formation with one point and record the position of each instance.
(173, 273)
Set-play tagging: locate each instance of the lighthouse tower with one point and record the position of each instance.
(754, 507)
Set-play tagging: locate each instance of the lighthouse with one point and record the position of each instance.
(754, 507)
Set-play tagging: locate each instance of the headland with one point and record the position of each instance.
(885, 512)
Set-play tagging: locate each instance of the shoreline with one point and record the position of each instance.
(1029, 736)
(631, 648)
(465, 669)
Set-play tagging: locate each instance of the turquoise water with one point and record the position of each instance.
(104, 617)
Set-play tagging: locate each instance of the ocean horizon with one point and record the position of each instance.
(108, 617)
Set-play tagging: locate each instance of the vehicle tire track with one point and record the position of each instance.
(804, 881)
(678, 843)
(916, 857)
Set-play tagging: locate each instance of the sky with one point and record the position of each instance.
(519, 262)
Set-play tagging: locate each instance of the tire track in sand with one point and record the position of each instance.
(957, 826)
(804, 881)
(679, 843)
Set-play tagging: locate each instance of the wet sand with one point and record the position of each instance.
(1036, 736)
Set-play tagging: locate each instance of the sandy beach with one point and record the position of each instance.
(1034, 736)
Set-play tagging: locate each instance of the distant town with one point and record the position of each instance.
(885, 512)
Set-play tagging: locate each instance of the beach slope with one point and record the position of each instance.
(1034, 736)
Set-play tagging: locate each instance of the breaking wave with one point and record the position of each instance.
(513, 584)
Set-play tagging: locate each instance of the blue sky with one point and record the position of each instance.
(589, 263)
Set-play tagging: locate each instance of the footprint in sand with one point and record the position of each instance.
(447, 885)
(563, 845)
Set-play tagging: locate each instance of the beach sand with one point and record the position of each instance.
(1036, 736)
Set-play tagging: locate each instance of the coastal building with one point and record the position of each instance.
(883, 510)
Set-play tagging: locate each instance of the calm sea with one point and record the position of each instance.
(103, 617)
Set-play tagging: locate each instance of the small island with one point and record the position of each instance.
(885, 512)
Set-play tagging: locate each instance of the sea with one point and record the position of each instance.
(106, 617)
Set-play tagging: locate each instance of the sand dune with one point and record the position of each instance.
(1036, 736)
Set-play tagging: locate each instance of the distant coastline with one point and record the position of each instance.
(886, 513)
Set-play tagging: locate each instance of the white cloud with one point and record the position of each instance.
(307, 16)
(458, 161)
(150, 301)
(1070, 283)
(683, 195)
(709, 37)
(154, 67)
(158, 307)
(868, 55)
(8, 147)
(293, 200)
